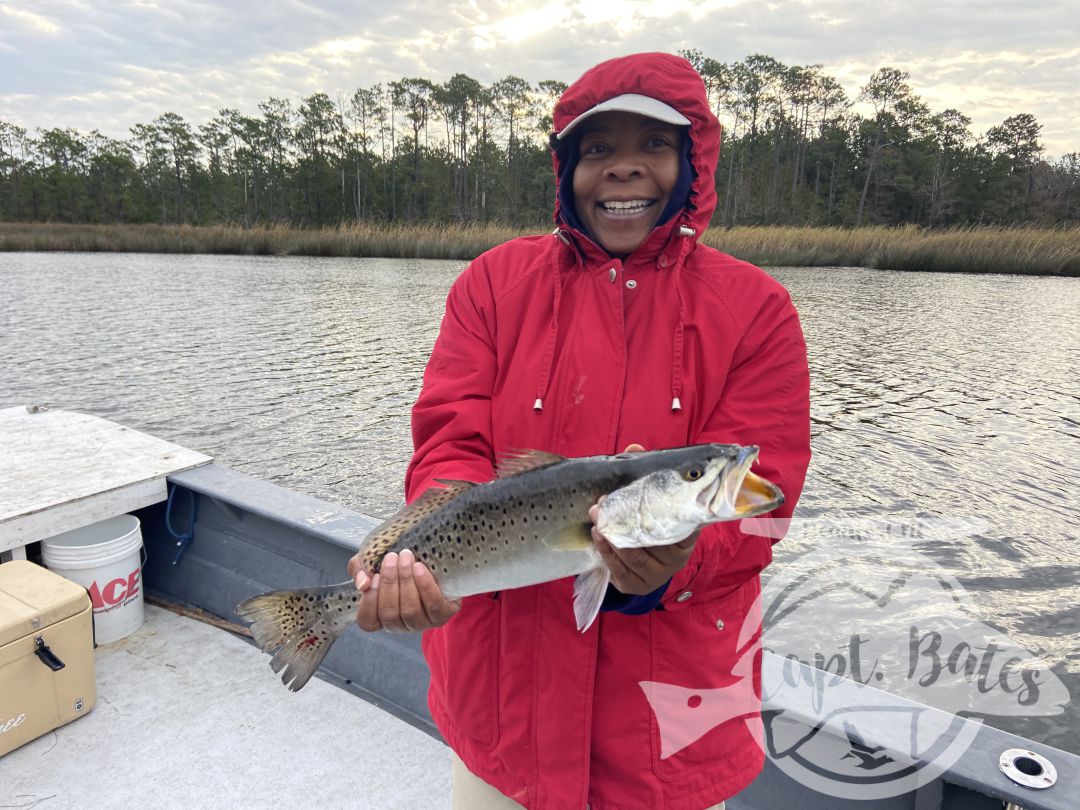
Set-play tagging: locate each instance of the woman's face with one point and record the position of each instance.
(628, 167)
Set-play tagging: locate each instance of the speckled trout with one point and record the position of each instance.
(530, 525)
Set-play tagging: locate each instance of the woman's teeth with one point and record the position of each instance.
(628, 207)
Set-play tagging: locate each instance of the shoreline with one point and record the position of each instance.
(1017, 250)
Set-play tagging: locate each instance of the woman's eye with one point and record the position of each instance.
(593, 149)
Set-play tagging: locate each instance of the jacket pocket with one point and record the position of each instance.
(705, 690)
(472, 668)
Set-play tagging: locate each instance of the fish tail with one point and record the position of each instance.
(298, 627)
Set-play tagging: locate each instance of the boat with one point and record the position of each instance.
(221, 536)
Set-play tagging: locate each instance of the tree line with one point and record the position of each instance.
(798, 150)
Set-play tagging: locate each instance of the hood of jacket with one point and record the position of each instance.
(674, 81)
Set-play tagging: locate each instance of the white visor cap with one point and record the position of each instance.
(631, 103)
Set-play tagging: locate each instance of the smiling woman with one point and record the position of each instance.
(624, 169)
(618, 331)
(628, 166)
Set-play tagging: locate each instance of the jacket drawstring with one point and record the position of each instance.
(553, 330)
(677, 340)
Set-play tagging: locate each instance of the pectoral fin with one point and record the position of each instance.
(575, 537)
(589, 591)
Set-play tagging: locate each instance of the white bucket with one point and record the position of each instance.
(104, 558)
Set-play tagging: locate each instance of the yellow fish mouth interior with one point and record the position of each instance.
(756, 496)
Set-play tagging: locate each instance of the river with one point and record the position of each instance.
(945, 409)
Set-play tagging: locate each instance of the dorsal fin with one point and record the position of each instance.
(455, 487)
(382, 538)
(515, 462)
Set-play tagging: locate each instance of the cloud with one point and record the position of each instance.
(28, 20)
(109, 64)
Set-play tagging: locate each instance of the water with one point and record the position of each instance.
(294, 369)
(934, 396)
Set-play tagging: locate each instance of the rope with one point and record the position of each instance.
(182, 540)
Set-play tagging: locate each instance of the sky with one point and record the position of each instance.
(110, 64)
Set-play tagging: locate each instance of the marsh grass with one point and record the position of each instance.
(1030, 250)
(1025, 250)
(393, 241)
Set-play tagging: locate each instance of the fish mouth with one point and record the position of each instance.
(757, 496)
(744, 494)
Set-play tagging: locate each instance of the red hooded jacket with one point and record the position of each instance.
(552, 717)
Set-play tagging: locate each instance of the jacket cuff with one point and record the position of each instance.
(632, 604)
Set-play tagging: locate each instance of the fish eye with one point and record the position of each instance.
(693, 474)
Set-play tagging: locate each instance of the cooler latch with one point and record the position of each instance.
(48, 658)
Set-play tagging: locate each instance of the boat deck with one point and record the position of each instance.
(189, 715)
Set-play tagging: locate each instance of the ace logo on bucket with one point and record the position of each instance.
(114, 592)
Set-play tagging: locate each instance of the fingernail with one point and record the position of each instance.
(375, 583)
(407, 558)
(419, 570)
(361, 580)
(390, 559)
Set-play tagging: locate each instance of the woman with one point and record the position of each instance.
(619, 329)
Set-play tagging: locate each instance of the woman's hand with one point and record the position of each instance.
(403, 596)
(641, 570)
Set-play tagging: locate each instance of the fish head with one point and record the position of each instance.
(701, 485)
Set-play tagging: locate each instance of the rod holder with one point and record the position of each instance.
(1027, 768)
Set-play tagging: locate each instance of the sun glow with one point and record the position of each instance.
(519, 27)
(347, 46)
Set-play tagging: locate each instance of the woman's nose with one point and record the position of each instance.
(624, 165)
